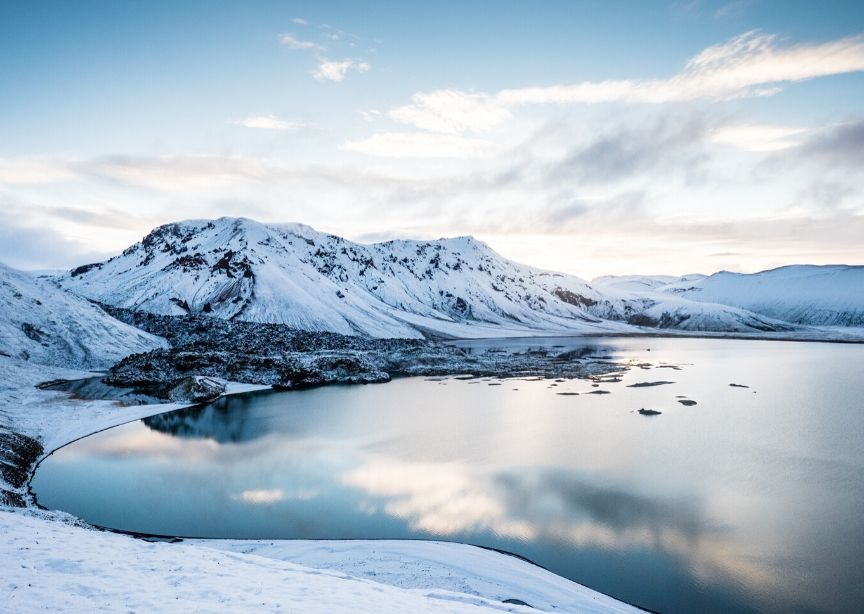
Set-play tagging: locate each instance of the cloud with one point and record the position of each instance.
(420, 145)
(300, 21)
(752, 64)
(34, 170)
(336, 71)
(451, 112)
(841, 146)
(33, 247)
(261, 496)
(732, 9)
(759, 137)
(270, 122)
(292, 42)
(670, 144)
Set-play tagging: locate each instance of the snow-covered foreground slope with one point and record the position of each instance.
(235, 268)
(803, 294)
(60, 567)
(45, 324)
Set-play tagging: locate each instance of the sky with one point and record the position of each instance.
(587, 137)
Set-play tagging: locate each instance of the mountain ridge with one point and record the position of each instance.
(237, 268)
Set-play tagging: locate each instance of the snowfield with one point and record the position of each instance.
(57, 566)
(52, 562)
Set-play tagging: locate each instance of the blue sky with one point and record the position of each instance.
(589, 137)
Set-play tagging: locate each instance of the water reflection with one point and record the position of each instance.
(744, 502)
(226, 420)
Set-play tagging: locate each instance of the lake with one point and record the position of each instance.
(750, 500)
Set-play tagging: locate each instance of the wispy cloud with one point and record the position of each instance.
(752, 64)
(842, 146)
(261, 496)
(35, 170)
(300, 21)
(420, 145)
(270, 122)
(329, 70)
(38, 247)
(292, 42)
(759, 137)
(451, 112)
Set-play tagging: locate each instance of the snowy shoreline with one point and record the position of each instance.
(66, 564)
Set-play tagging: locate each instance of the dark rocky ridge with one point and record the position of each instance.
(18, 455)
(276, 355)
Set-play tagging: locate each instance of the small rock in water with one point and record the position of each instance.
(649, 384)
(687, 402)
(599, 392)
(517, 602)
(649, 412)
(571, 394)
(738, 386)
(494, 383)
(596, 385)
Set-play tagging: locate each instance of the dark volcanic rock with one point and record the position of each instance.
(738, 386)
(18, 454)
(196, 389)
(649, 384)
(276, 355)
(649, 412)
(687, 402)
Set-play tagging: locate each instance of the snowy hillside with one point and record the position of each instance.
(639, 283)
(803, 294)
(291, 274)
(45, 324)
(235, 268)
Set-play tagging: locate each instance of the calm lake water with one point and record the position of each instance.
(752, 499)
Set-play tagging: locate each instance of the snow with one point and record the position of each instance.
(420, 565)
(292, 274)
(62, 567)
(830, 295)
(60, 564)
(43, 323)
(457, 287)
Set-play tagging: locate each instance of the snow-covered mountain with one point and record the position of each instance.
(639, 284)
(47, 325)
(235, 268)
(292, 274)
(804, 294)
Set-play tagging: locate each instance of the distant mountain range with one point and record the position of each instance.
(236, 268)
